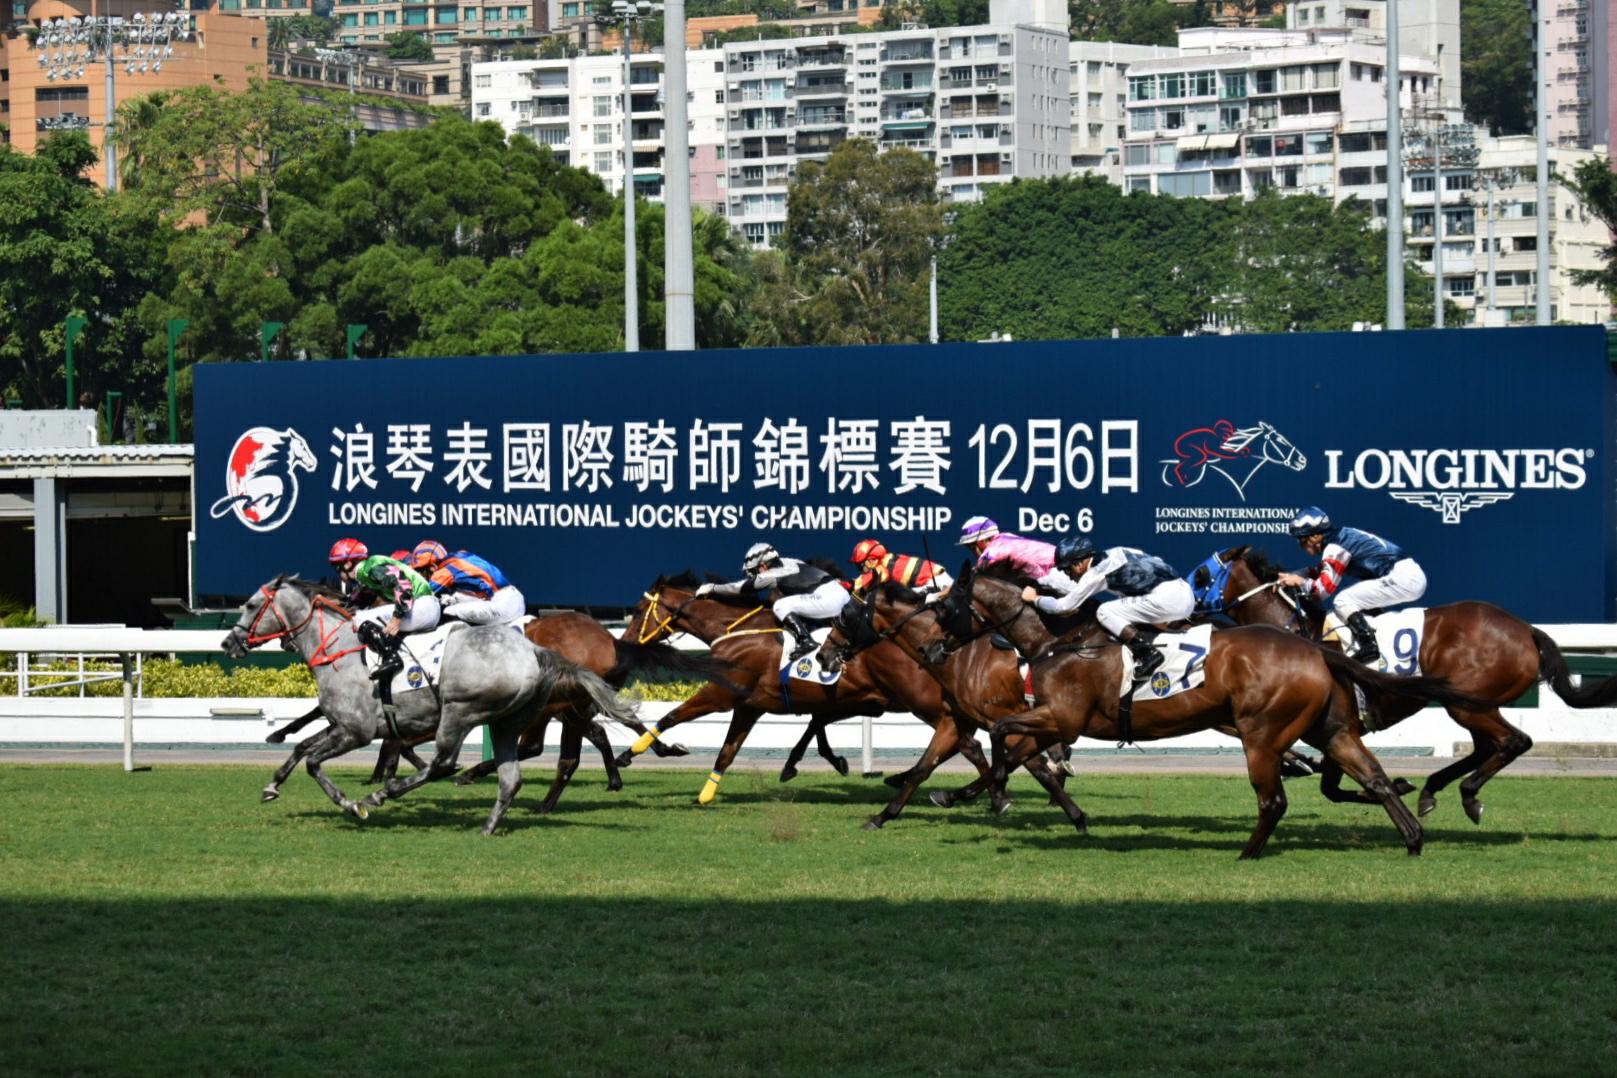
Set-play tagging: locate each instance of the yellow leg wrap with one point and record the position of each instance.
(711, 789)
(643, 742)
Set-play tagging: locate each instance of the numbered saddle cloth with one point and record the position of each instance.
(807, 668)
(1398, 637)
(1183, 667)
(423, 655)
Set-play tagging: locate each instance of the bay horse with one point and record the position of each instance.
(1483, 651)
(745, 636)
(490, 676)
(1272, 686)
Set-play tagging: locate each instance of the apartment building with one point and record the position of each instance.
(1574, 39)
(372, 22)
(1097, 81)
(575, 106)
(1426, 28)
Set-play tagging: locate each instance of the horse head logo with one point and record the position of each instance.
(1236, 453)
(261, 477)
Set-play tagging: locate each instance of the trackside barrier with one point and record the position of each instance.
(31, 715)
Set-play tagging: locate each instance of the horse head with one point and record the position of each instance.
(276, 611)
(852, 631)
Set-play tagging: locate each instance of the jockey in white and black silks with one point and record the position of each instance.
(1385, 575)
(805, 591)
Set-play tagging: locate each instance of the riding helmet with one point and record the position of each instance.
(759, 555)
(347, 550)
(1072, 550)
(976, 530)
(867, 549)
(1311, 520)
(427, 553)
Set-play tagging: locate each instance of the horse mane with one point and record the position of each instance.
(826, 565)
(894, 592)
(1001, 570)
(685, 578)
(313, 589)
(1258, 562)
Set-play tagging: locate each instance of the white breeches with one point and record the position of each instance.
(505, 606)
(422, 616)
(1172, 600)
(1404, 584)
(825, 601)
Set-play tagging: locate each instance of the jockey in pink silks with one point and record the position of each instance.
(1032, 559)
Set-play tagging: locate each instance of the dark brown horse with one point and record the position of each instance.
(1273, 687)
(1482, 651)
(745, 636)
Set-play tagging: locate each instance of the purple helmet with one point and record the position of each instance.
(976, 530)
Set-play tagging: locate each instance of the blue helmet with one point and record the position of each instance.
(1072, 550)
(1310, 520)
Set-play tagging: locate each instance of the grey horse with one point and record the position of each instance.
(491, 675)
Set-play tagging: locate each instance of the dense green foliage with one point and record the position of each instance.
(1496, 64)
(166, 922)
(408, 46)
(283, 31)
(1596, 185)
(1078, 258)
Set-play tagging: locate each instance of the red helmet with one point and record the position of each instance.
(401, 555)
(867, 549)
(344, 550)
(427, 553)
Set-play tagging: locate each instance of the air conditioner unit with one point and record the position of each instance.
(991, 86)
(1007, 158)
(944, 159)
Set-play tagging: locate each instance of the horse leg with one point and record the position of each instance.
(708, 699)
(1483, 748)
(503, 737)
(741, 723)
(603, 745)
(339, 741)
(278, 736)
(793, 758)
(1263, 768)
(454, 723)
(1038, 730)
(1060, 757)
(946, 736)
(999, 797)
(1511, 745)
(1330, 784)
(414, 757)
(299, 751)
(658, 747)
(572, 737)
(529, 745)
(387, 762)
(823, 744)
(1347, 751)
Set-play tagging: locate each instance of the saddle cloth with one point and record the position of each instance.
(1183, 668)
(807, 668)
(1398, 638)
(423, 655)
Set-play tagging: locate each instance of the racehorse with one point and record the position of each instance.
(747, 638)
(1487, 653)
(576, 637)
(1273, 686)
(491, 676)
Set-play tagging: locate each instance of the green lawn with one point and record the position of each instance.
(167, 922)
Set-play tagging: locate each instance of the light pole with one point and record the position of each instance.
(628, 12)
(1541, 180)
(65, 46)
(1455, 143)
(349, 61)
(679, 277)
(1492, 180)
(1395, 177)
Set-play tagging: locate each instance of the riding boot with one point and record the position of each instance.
(799, 629)
(1364, 637)
(1147, 659)
(388, 653)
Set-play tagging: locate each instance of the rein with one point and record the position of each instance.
(730, 630)
(318, 605)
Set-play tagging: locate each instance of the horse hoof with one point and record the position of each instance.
(1002, 807)
(270, 794)
(375, 800)
(1473, 809)
(614, 784)
(1068, 769)
(788, 773)
(465, 778)
(1427, 804)
(895, 781)
(841, 764)
(1082, 824)
(873, 824)
(1403, 787)
(276, 738)
(358, 809)
(1414, 849)
(940, 799)
(625, 758)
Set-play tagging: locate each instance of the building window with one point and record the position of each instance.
(483, 110)
(1142, 87)
(1422, 183)
(1234, 85)
(603, 134)
(1263, 82)
(483, 82)
(1319, 142)
(1460, 286)
(603, 162)
(1169, 86)
(603, 107)
(1203, 84)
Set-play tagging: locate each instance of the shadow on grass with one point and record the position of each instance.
(603, 985)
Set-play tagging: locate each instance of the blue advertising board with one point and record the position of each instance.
(1488, 455)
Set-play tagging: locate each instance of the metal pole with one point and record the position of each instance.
(932, 334)
(679, 275)
(1437, 223)
(353, 106)
(129, 713)
(1491, 245)
(631, 288)
(1395, 177)
(107, 146)
(1541, 127)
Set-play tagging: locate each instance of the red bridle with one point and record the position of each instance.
(321, 606)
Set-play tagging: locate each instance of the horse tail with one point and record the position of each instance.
(1431, 690)
(569, 680)
(1552, 668)
(666, 660)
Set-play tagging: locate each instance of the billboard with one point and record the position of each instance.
(1487, 455)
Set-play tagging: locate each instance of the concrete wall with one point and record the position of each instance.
(47, 428)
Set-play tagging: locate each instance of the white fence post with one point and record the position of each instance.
(867, 749)
(129, 711)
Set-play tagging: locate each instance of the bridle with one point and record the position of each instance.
(648, 631)
(1296, 621)
(319, 606)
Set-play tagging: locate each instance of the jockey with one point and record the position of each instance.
(1387, 576)
(917, 574)
(1033, 559)
(806, 592)
(470, 589)
(1148, 592)
(414, 607)
(346, 553)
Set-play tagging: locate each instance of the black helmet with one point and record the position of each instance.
(1072, 550)
(1310, 520)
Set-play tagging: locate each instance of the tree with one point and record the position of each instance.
(860, 230)
(408, 46)
(1138, 22)
(1596, 184)
(1496, 64)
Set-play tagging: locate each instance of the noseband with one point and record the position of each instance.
(318, 605)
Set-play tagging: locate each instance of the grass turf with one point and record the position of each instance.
(165, 921)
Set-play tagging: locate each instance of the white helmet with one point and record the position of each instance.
(758, 555)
